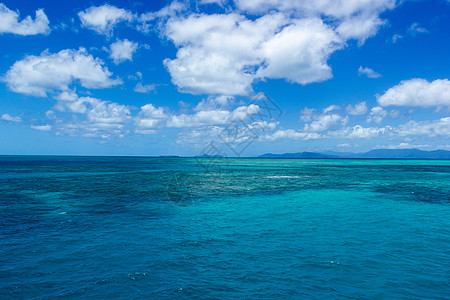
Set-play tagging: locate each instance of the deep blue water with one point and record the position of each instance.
(152, 228)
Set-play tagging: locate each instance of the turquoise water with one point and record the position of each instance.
(109, 227)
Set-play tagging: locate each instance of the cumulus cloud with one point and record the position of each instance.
(291, 134)
(9, 118)
(9, 22)
(149, 118)
(377, 114)
(121, 51)
(299, 52)
(360, 132)
(215, 52)
(359, 27)
(213, 103)
(204, 119)
(147, 20)
(357, 19)
(432, 128)
(285, 39)
(370, 73)
(41, 127)
(66, 96)
(357, 109)
(429, 129)
(417, 93)
(212, 117)
(331, 108)
(401, 146)
(323, 123)
(332, 8)
(144, 88)
(351, 132)
(94, 118)
(224, 54)
(307, 114)
(201, 118)
(50, 73)
(320, 122)
(218, 2)
(103, 19)
(99, 112)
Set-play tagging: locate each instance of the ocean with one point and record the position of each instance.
(186, 228)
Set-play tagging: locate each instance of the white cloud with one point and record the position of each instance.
(357, 19)
(215, 52)
(201, 118)
(418, 92)
(320, 122)
(331, 108)
(358, 132)
(396, 37)
(149, 118)
(359, 27)
(370, 73)
(144, 88)
(307, 114)
(377, 114)
(218, 2)
(332, 8)
(224, 54)
(9, 22)
(401, 146)
(41, 127)
(432, 128)
(353, 132)
(121, 51)
(146, 20)
(212, 117)
(357, 109)
(299, 52)
(285, 39)
(9, 118)
(200, 137)
(102, 19)
(66, 96)
(199, 72)
(345, 145)
(49, 73)
(292, 135)
(323, 123)
(429, 129)
(170, 10)
(213, 103)
(94, 118)
(416, 28)
(100, 112)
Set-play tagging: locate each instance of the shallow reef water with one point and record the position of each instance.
(164, 228)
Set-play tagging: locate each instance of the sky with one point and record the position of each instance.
(223, 77)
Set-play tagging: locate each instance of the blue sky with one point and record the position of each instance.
(237, 78)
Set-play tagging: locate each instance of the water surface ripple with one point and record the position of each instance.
(154, 228)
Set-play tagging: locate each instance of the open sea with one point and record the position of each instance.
(166, 228)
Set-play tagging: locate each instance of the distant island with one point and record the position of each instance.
(376, 153)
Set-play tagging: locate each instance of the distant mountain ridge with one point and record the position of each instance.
(376, 153)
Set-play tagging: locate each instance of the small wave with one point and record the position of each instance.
(285, 176)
